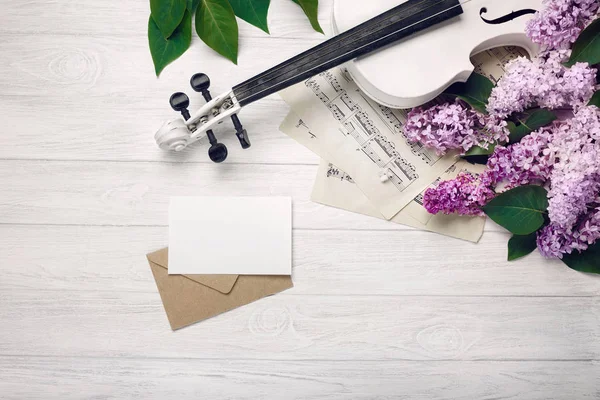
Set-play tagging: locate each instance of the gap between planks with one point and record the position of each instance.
(300, 360)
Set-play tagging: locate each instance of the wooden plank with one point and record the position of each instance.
(293, 327)
(132, 193)
(109, 259)
(70, 378)
(76, 97)
(125, 132)
(130, 19)
(74, 67)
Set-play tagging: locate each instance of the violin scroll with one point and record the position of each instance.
(177, 134)
(173, 135)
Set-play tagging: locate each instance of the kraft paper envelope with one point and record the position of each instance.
(192, 298)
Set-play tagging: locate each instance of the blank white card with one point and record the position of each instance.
(230, 235)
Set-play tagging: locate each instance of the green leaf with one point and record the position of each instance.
(252, 11)
(311, 9)
(192, 5)
(587, 261)
(164, 51)
(167, 14)
(521, 245)
(475, 91)
(587, 46)
(479, 155)
(520, 210)
(530, 122)
(217, 27)
(595, 100)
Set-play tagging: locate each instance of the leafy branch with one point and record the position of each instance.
(170, 25)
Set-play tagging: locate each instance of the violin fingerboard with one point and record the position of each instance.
(398, 23)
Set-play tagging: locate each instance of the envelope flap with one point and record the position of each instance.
(220, 283)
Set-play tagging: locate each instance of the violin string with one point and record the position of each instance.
(381, 38)
(328, 47)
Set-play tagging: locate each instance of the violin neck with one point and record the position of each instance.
(400, 22)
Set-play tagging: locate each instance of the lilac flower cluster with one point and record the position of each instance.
(464, 195)
(544, 81)
(565, 157)
(453, 126)
(575, 180)
(523, 163)
(561, 22)
(554, 241)
(574, 195)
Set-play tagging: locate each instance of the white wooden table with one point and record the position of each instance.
(378, 310)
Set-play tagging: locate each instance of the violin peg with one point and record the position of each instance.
(180, 102)
(217, 152)
(241, 133)
(244, 139)
(200, 83)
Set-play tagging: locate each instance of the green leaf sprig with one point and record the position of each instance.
(475, 91)
(521, 210)
(530, 121)
(587, 46)
(170, 25)
(165, 51)
(587, 261)
(521, 245)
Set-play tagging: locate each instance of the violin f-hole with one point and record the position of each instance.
(506, 18)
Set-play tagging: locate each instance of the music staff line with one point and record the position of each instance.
(358, 120)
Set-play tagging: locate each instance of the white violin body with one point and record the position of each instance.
(412, 72)
(389, 62)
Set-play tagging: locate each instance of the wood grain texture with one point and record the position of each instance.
(137, 193)
(378, 310)
(295, 327)
(326, 262)
(90, 18)
(245, 379)
(98, 99)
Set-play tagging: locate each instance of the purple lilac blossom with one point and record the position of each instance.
(554, 241)
(453, 126)
(544, 81)
(464, 195)
(559, 24)
(565, 157)
(575, 179)
(523, 163)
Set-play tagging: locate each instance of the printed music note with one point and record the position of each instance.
(333, 171)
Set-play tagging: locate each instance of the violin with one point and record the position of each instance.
(402, 54)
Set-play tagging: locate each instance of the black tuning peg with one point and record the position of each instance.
(240, 132)
(180, 102)
(217, 151)
(200, 83)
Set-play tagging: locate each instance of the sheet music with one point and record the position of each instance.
(336, 188)
(333, 187)
(297, 129)
(490, 63)
(365, 139)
